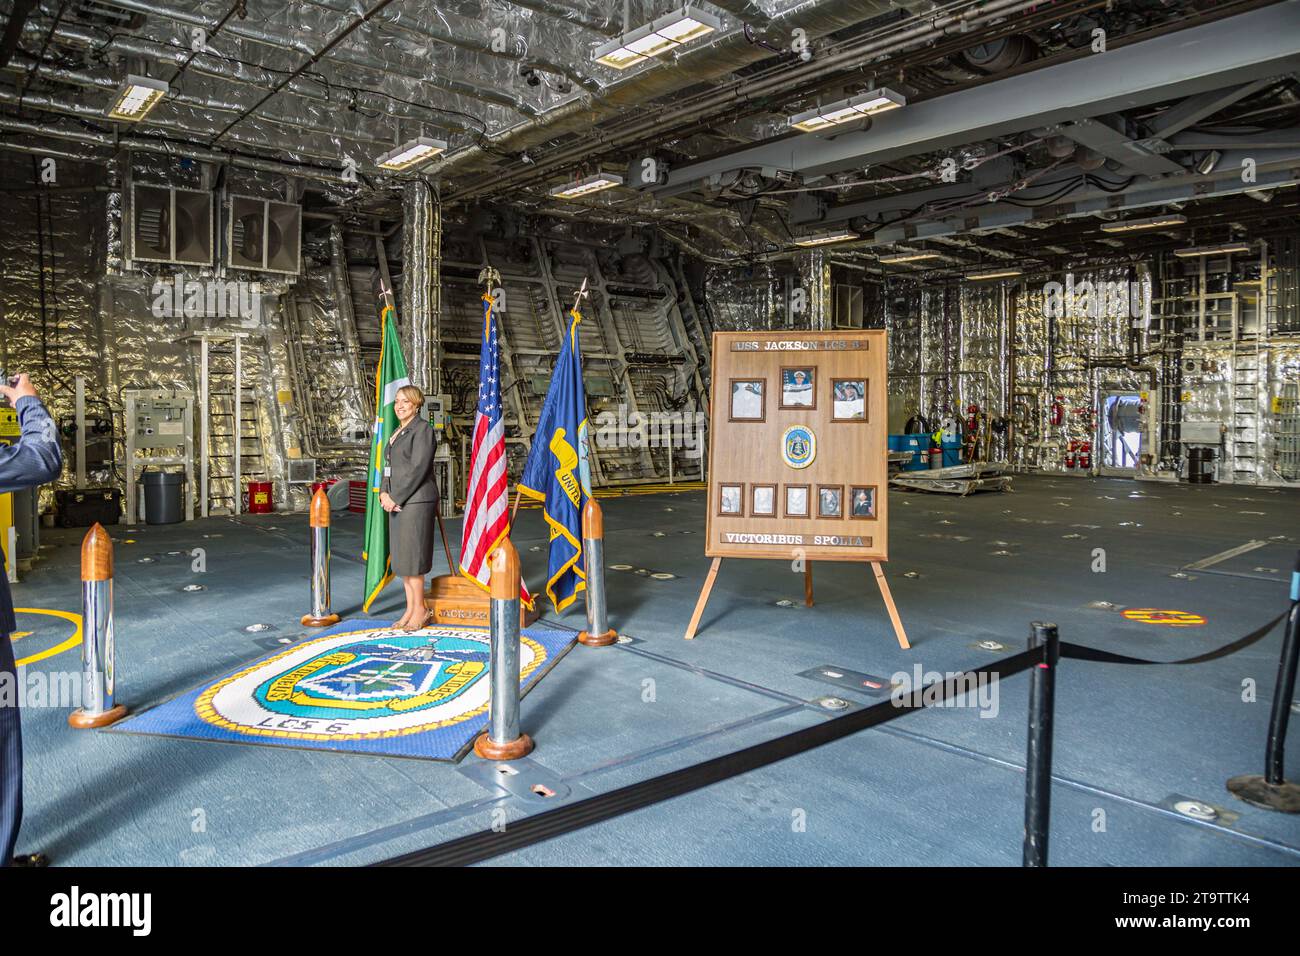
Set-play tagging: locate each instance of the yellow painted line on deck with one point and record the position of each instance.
(73, 641)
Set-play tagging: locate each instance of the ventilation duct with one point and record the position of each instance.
(264, 235)
(171, 225)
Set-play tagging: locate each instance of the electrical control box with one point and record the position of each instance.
(161, 419)
(437, 411)
(158, 431)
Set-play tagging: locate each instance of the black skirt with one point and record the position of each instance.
(410, 538)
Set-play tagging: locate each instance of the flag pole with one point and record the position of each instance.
(515, 507)
(446, 545)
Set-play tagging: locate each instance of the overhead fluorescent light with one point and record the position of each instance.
(1136, 225)
(846, 111)
(686, 24)
(136, 97)
(643, 41)
(1006, 273)
(824, 238)
(1222, 249)
(616, 55)
(409, 155)
(897, 257)
(656, 38)
(592, 184)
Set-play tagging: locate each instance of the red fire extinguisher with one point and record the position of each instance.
(1058, 410)
(1085, 455)
(1070, 454)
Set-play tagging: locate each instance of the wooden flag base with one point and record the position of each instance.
(519, 747)
(598, 640)
(455, 599)
(808, 599)
(84, 721)
(328, 620)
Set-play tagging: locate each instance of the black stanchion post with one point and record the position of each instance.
(1271, 790)
(1038, 752)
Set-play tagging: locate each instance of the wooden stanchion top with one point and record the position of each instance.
(504, 564)
(593, 521)
(320, 509)
(96, 555)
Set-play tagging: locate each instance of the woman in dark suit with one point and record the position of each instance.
(410, 496)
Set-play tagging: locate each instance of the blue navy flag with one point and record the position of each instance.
(557, 471)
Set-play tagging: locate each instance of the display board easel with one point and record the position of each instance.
(798, 466)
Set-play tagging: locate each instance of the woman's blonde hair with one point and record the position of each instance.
(412, 394)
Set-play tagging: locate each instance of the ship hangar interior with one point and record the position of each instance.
(1067, 230)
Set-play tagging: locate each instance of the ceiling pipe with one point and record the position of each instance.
(43, 150)
(101, 81)
(86, 111)
(230, 71)
(605, 27)
(287, 41)
(397, 21)
(723, 56)
(175, 151)
(22, 9)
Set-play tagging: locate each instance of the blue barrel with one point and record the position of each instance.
(916, 444)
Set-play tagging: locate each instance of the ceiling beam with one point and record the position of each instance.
(1099, 136)
(1196, 108)
(1250, 46)
(1277, 171)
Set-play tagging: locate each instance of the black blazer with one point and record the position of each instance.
(408, 473)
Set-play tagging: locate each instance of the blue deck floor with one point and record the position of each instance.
(938, 787)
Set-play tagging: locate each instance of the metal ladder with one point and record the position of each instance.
(228, 415)
(1244, 440)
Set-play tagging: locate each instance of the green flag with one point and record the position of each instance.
(390, 376)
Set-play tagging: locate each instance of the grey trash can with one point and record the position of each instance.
(163, 496)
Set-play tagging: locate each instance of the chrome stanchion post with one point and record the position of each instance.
(98, 708)
(1271, 790)
(319, 519)
(1038, 752)
(598, 632)
(503, 740)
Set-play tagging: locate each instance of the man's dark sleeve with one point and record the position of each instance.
(36, 458)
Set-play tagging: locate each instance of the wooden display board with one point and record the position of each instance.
(798, 463)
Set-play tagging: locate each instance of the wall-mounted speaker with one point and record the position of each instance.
(264, 235)
(171, 225)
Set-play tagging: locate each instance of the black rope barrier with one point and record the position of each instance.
(1038, 749)
(1271, 790)
(1079, 652)
(1045, 650)
(549, 824)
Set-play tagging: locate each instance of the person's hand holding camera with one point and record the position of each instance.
(20, 386)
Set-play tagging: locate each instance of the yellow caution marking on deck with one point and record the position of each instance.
(1151, 615)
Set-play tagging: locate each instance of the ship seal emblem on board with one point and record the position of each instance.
(798, 446)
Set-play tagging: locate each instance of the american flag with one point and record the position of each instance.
(487, 511)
